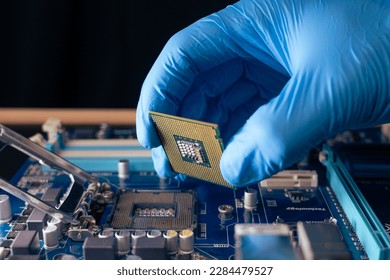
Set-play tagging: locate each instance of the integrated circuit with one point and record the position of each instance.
(193, 148)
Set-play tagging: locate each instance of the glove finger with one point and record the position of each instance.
(206, 44)
(208, 85)
(186, 54)
(161, 163)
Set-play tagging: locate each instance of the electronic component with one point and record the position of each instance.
(134, 236)
(37, 221)
(52, 196)
(250, 199)
(193, 147)
(321, 241)
(50, 237)
(5, 209)
(373, 234)
(123, 241)
(263, 242)
(171, 237)
(154, 233)
(4, 253)
(64, 257)
(24, 257)
(19, 227)
(59, 226)
(292, 178)
(25, 243)
(150, 248)
(186, 240)
(225, 211)
(123, 168)
(12, 234)
(157, 210)
(95, 248)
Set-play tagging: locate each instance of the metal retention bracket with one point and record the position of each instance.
(79, 194)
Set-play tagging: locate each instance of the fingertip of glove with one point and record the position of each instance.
(161, 163)
(231, 169)
(242, 166)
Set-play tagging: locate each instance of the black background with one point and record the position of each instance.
(92, 54)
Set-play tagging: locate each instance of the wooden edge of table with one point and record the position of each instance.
(37, 116)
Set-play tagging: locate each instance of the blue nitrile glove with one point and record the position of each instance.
(278, 77)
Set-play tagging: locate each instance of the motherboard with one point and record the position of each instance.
(91, 192)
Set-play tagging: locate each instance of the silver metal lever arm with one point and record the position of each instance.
(41, 205)
(44, 156)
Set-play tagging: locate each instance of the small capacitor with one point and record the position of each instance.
(50, 237)
(186, 238)
(123, 241)
(5, 209)
(250, 199)
(58, 224)
(154, 233)
(171, 238)
(134, 236)
(64, 257)
(106, 233)
(123, 168)
(225, 211)
(133, 258)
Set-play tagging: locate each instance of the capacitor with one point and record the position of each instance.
(64, 257)
(133, 258)
(5, 209)
(106, 233)
(225, 211)
(134, 236)
(123, 242)
(123, 168)
(250, 199)
(154, 233)
(171, 238)
(60, 226)
(184, 256)
(50, 237)
(186, 238)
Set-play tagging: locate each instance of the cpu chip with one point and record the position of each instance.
(193, 147)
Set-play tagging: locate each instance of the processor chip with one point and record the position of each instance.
(193, 147)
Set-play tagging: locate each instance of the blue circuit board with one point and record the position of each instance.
(213, 230)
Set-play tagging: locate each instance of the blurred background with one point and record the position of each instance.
(86, 54)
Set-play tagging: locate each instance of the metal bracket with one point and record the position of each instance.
(78, 196)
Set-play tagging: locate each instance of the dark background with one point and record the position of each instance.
(86, 54)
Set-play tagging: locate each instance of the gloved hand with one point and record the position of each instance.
(277, 76)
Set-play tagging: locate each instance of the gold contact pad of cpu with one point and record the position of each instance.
(193, 147)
